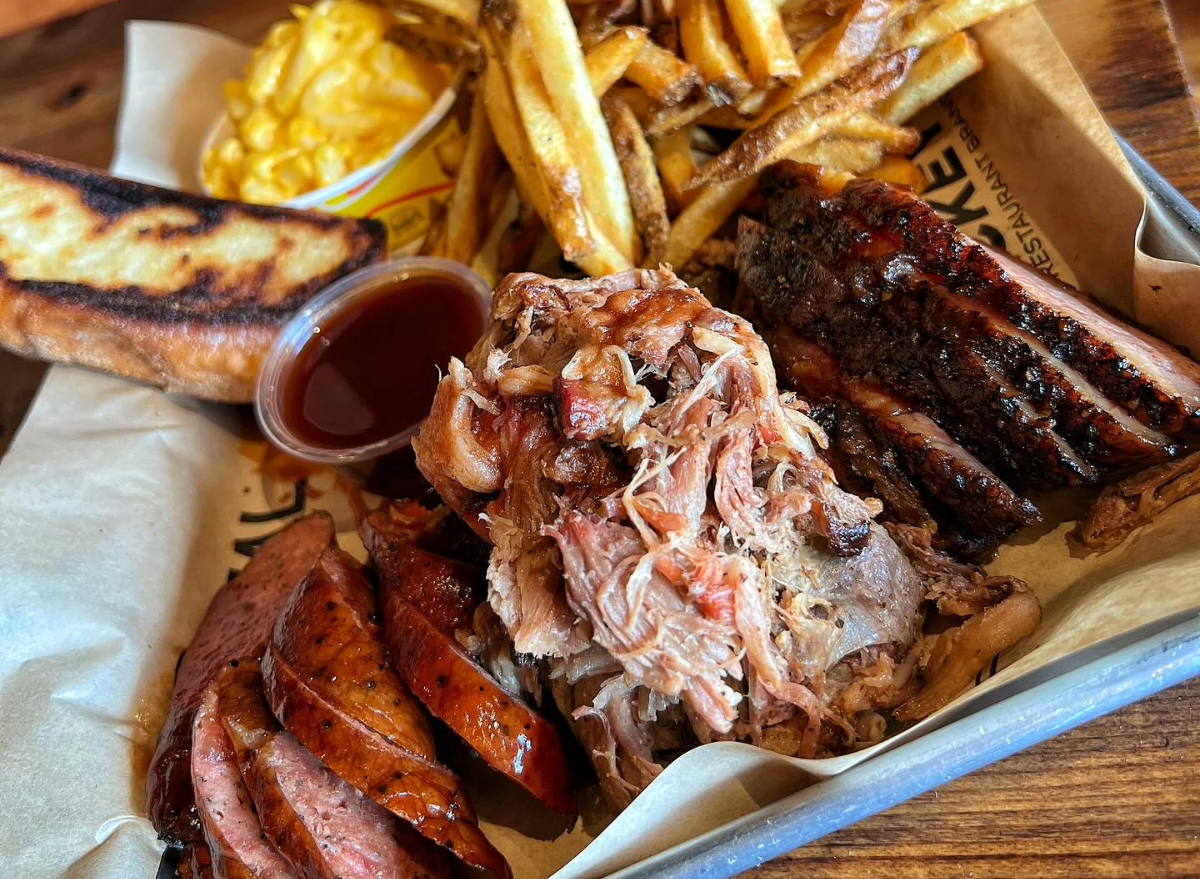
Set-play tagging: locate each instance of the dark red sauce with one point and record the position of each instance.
(371, 371)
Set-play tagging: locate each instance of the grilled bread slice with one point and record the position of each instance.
(179, 290)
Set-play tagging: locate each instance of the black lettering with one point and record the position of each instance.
(992, 236)
(296, 506)
(958, 211)
(929, 134)
(951, 173)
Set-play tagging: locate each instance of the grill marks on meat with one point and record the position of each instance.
(665, 531)
(424, 793)
(326, 677)
(329, 633)
(976, 334)
(1135, 371)
(1097, 427)
(1132, 368)
(1029, 382)
(1139, 373)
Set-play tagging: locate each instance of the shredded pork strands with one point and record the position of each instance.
(666, 534)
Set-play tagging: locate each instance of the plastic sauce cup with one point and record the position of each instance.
(351, 376)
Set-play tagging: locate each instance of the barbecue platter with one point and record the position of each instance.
(730, 461)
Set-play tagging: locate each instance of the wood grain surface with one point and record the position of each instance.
(1119, 797)
(19, 15)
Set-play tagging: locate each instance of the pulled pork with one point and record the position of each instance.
(667, 539)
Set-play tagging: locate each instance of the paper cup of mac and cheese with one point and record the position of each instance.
(398, 191)
(329, 115)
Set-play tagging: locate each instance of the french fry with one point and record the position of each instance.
(605, 258)
(640, 102)
(895, 169)
(752, 104)
(458, 16)
(804, 27)
(594, 22)
(728, 118)
(663, 120)
(641, 178)
(502, 190)
(702, 37)
(841, 154)
(759, 28)
(517, 240)
(467, 211)
(676, 165)
(664, 77)
(810, 119)
(698, 221)
(562, 211)
(895, 139)
(434, 243)
(608, 60)
(848, 45)
(938, 70)
(937, 21)
(703, 141)
(437, 43)
(554, 43)
(449, 153)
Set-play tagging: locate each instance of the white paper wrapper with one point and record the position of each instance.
(122, 510)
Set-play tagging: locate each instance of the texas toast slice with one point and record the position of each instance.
(179, 290)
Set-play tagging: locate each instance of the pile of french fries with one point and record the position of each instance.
(632, 130)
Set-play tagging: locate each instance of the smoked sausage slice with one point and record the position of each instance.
(322, 825)
(424, 793)
(238, 623)
(446, 591)
(329, 634)
(237, 846)
(512, 737)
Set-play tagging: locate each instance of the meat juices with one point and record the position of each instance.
(238, 623)
(323, 826)
(665, 532)
(909, 317)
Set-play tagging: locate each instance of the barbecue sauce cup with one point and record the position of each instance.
(352, 375)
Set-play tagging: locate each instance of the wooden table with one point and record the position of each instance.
(1119, 797)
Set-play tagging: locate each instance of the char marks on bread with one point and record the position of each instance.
(179, 290)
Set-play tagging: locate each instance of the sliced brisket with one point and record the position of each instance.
(1137, 372)
(914, 331)
(974, 508)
